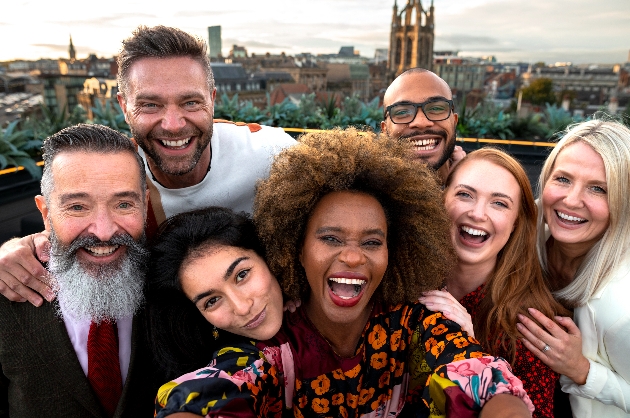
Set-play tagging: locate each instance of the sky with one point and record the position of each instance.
(578, 31)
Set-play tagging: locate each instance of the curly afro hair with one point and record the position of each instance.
(418, 238)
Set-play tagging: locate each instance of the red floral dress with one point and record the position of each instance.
(538, 379)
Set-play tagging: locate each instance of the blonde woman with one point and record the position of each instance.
(583, 241)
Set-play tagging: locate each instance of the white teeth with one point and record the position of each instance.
(100, 251)
(569, 217)
(357, 282)
(175, 143)
(425, 144)
(472, 231)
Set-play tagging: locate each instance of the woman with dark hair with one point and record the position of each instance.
(356, 229)
(497, 276)
(211, 257)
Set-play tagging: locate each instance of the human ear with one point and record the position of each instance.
(40, 201)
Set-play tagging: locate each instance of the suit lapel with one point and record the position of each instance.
(49, 339)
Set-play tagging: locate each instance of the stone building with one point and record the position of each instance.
(411, 38)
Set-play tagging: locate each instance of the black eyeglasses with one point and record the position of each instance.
(434, 110)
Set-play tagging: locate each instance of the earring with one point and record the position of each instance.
(215, 333)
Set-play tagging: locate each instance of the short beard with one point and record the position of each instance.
(449, 145)
(98, 292)
(165, 165)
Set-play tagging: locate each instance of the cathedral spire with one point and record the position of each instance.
(71, 50)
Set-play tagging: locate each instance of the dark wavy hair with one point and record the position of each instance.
(420, 249)
(181, 337)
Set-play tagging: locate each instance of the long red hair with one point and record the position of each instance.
(517, 282)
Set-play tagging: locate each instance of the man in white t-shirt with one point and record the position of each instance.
(167, 93)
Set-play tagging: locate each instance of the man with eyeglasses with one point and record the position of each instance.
(418, 107)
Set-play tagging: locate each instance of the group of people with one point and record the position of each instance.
(415, 275)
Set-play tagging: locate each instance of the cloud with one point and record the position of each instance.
(104, 21)
(538, 29)
(201, 14)
(52, 47)
(248, 43)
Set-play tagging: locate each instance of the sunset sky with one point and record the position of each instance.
(580, 31)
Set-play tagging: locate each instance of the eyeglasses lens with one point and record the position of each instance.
(434, 111)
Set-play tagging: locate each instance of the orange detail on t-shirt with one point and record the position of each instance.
(253, 127)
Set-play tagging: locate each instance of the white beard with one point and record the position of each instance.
(103, 293)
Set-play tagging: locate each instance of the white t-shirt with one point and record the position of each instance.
(241, 155)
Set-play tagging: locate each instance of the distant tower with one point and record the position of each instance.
(411, 39)
(214, 37)
(71, 51)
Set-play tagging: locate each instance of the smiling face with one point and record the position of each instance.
(433, 142)
(95, 213)
(235, 291)
(169, 109)
(95, 198)
(482, 201)
(574, 198)
(344, 256)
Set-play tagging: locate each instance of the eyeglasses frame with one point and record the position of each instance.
(420, 106)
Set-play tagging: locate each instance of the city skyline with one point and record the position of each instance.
(511, 30)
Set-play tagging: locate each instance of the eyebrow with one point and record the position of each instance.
(324, 229)
(495, 194)
(156, 97)
(427, 100)
(226, 276)
(83, 195)
(560, 172)
(71, 196)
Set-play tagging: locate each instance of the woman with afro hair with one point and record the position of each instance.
(356, 229)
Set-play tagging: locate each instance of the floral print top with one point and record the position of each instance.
(299, 373)
(538, 379)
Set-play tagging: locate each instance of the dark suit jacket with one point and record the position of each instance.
(41, 375)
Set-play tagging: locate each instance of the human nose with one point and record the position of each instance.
(242, 304)
(573, 197)
(173, 119)
(352, 256)
(104, 225)
(477, 211)
(421, 120)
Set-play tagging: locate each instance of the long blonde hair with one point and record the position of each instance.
(516, 282)
(611, 140)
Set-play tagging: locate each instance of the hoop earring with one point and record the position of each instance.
(215, 332)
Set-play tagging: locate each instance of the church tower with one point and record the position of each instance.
(411, 38)
(71, 51)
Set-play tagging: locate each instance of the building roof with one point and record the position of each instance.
(282, 91)
(227, 71)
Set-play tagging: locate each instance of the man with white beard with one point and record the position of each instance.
(84, 355)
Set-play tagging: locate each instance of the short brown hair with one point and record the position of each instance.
(420, 249)
(161, 42)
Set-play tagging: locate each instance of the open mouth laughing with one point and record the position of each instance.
(175, 144)
(473, 235)
(345, 288)
(101, 251)
(574, 220)
(425, 144)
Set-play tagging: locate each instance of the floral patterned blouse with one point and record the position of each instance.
(299, 373)
(538, 379)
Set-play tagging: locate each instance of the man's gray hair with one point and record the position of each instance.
(161, 42)
(86, 138)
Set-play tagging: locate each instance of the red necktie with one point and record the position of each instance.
(103, 364)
